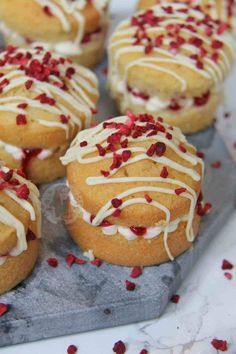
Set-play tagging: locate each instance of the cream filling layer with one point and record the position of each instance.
(153, 104)
(126, 232)
(18, 153)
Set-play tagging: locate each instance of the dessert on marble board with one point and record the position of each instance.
(224, 10)
(70, 28)
(135, 191)
(170, 61)
(44, 101)
(20, 227)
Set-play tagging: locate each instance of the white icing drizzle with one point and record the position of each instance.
(98, 135)
(32, 206)
(75, 102)
(122, 44)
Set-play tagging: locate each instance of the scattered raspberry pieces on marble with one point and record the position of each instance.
(80, 261)
(3, 309)
(136, 272)
(52, 262)
(130, 286)
(175, 298)
(228, 275)
(97, 262)
(119, 347)
(72, 349)
(105, 71)
(70, 259)
(219, 344)
(226, 264)
(216, 164)
(144, 351)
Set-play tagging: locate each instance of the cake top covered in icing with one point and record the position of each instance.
(37, 86)
(175, 40)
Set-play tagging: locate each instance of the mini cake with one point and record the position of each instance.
(170, 61)
(20, 223)
(70, 28)
(135, 187)
(44, 101)
(224, 10)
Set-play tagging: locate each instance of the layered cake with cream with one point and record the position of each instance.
(44, 101)
(134, 191)
(171, 60)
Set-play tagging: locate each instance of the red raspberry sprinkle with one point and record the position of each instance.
(70, 72)
(216, 44)
(47, 11)
(126, 155)
(52, 262)
(130, 286)
(228, 275)
(119, 347)
(200, 154)
(136, 272)
(144, 351)
(116, 213)
(80, 261)
(182, 148)
(70, 259)
(105, 173)
(21, 119)
(179, 191)
(216, 164)
(22, 105)
(151, 150)
(116, 203)
(28, 84)
(64, 119)
(226, 265)
(160, 149)
(175, 299)
(23, 192)
(219, 344)
(148, 198)
(101, 150)
(83, 143)
(164, 172)
(3, 309)
(6, 176)
(138, 230)
(72, 349)
(97, 262)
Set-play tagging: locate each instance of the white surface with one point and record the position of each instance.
(206, 308)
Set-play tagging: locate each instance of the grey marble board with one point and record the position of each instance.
(60, 301)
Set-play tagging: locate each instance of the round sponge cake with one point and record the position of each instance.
(20, 228)
(134, 186)
(171, 61)
(44, 101)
